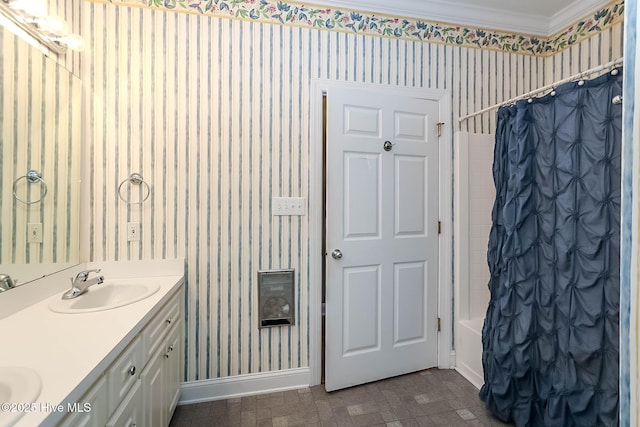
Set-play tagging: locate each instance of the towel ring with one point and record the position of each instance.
(32, 177)
(135, 179)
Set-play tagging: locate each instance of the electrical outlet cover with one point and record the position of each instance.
(34, 232)
(133, 231)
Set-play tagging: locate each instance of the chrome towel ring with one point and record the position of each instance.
(32, 177)
(135, 179)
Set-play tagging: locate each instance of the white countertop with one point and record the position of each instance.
(70, 351)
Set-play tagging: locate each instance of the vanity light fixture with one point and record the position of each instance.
(30, 17)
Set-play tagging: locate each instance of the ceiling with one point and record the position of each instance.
(535, 17)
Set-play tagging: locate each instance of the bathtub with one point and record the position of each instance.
(469, 350)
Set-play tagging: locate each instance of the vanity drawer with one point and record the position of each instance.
(129, 413)
(155, 331)
(123, 373)
(94, 415)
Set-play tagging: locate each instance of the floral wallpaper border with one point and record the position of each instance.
(366, 23)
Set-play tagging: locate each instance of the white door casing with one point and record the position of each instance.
(382, 215)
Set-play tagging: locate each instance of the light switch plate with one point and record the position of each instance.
(289, 206)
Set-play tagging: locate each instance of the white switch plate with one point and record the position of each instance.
(34, 232)
(289, 206)
(133, 231)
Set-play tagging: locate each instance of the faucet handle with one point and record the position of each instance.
(84, 275)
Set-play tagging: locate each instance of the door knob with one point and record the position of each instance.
(336, 254)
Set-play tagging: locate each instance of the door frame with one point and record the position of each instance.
(319, 87)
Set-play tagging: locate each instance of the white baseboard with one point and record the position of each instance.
(243, 385)
(472, 376)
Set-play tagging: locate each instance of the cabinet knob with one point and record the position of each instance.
(132, 370)
(166, 355)
(169, 321)
(170, 348)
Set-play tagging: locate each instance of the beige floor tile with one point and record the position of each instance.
(428, 398)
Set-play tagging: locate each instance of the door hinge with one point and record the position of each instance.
(439, 227)
(439, 128)
(438, 324)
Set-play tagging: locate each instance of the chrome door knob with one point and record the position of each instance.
(336, 254)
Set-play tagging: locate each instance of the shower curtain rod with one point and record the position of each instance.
(612, 64)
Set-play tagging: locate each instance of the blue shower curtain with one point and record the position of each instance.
(550, 337)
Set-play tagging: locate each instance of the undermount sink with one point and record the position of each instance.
(104, 297)
(18, 385)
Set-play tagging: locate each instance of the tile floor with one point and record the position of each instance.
(427, 398)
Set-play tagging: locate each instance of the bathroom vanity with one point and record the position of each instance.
(120, 366)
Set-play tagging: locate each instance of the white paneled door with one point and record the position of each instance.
(382, 237)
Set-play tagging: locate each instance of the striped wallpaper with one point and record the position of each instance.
(215, 114)
(40, 129)
(363, 22)
(529, 73)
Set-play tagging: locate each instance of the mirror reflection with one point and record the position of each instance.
(40, 113)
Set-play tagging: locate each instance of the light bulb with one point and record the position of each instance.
(32, 8)
(52, 25)
(72, 41)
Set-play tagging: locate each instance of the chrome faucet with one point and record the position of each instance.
(6, 282)
(81, 283)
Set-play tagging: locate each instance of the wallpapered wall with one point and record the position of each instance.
(214, 113)
(38, 132)
(39, 129)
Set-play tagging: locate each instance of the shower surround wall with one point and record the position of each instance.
(474, 196)
(215, 115)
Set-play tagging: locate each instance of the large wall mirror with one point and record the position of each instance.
(40, 125)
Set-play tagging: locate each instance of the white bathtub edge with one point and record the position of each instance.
(469, 350)
(470, 375)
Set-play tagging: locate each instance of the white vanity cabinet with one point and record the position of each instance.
(96, 414)
(141, 387)
(173, 370)
(123, 373)
(161, 376)
(161, 380)
(130, 411)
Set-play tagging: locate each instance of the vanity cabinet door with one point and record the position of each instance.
(161, 380)
(173, 368)
(94, 415)
(129, 413)
(153, 392)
